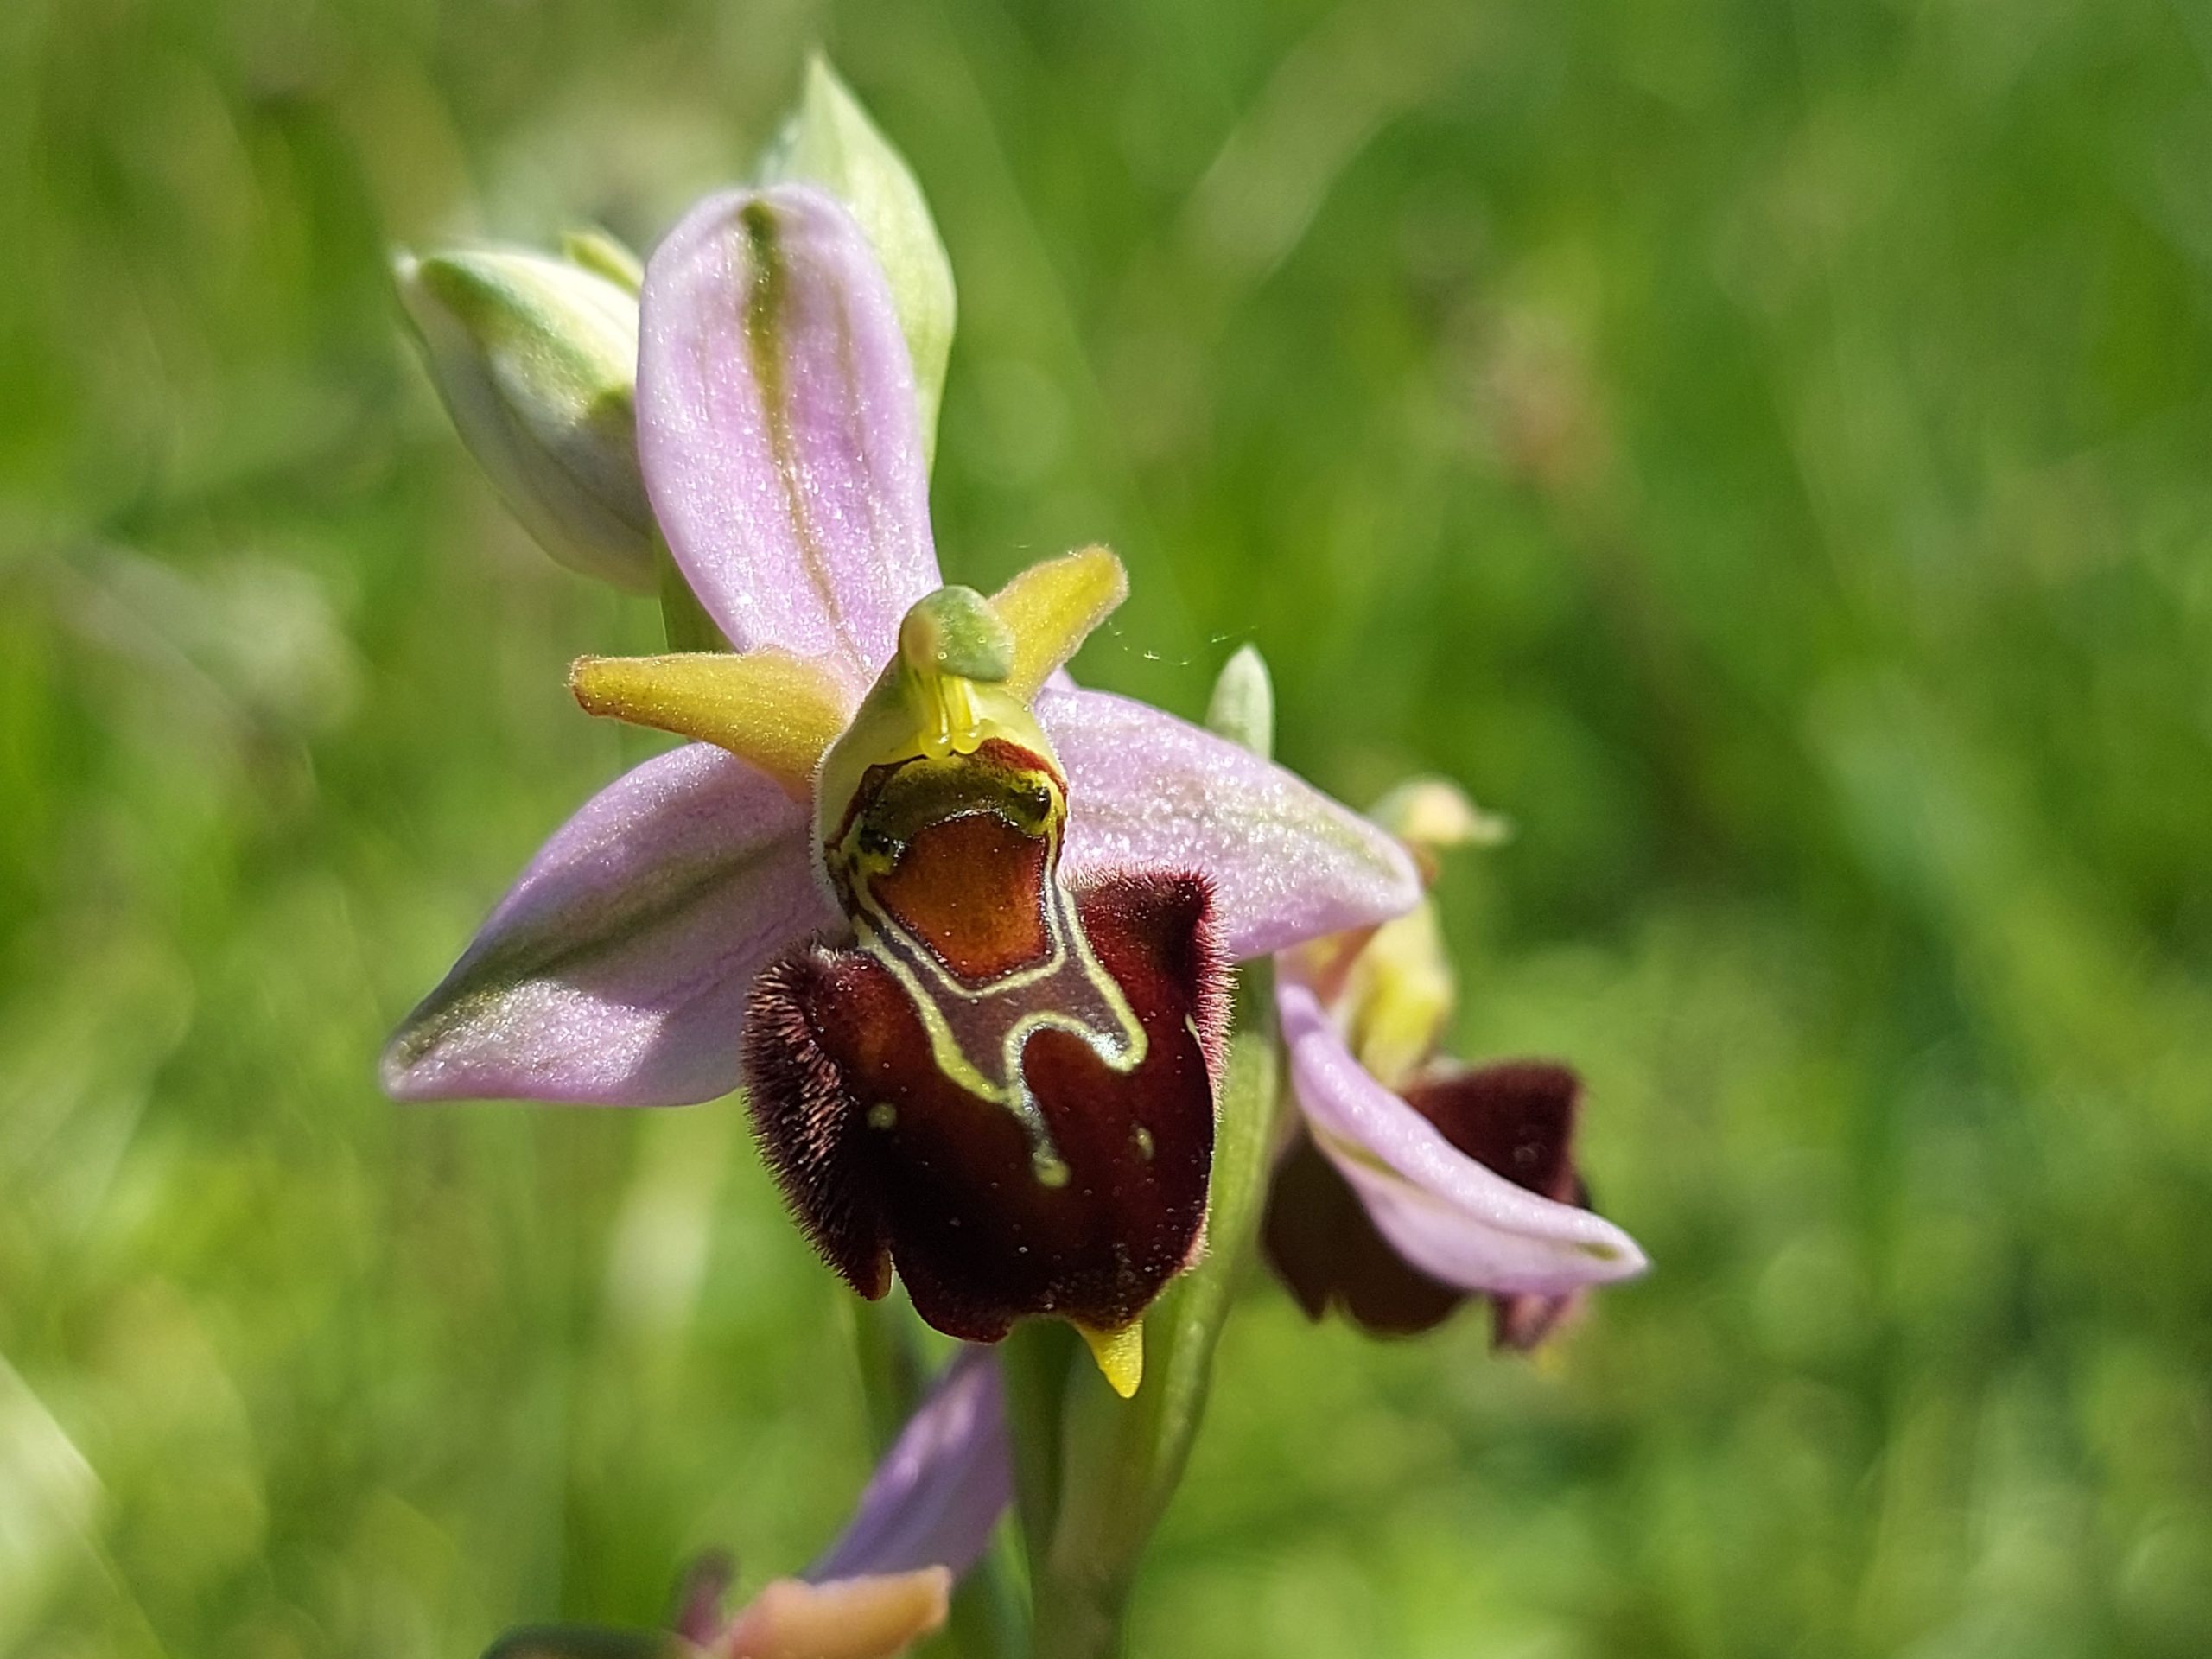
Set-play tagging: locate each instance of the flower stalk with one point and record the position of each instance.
(1096, 1471)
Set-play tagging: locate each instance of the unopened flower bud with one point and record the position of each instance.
(1434, 815)
(536, 359)
(1242, 707)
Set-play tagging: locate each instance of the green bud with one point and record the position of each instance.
(1434, 815)
(829, 141)
(597, 251)
(536, 359)
(1242, 707)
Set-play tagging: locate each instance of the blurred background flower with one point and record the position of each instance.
(1761, 451)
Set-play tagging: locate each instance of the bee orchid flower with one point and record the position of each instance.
(959, 926)
(1414, 1182)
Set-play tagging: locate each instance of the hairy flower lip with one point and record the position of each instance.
(887, 1155)
(1415, 1182)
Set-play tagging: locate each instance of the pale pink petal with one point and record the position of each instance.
(941, 1488)
(1148, 792)
(1449, 1216)
(615, 971)
(776, 429)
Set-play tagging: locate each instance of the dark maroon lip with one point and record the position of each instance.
(1516, 1117)
(889, 1163)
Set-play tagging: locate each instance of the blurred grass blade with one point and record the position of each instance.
(47, 1497)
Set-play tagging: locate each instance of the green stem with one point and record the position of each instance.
(888, 1348)
(1033, 1365)
(1076, 1621)
(986, 1621)
(1095, 1472)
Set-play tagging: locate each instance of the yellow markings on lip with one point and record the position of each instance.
(767, 706)
(1107, 1025)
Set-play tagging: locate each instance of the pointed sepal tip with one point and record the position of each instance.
(1119, 1354)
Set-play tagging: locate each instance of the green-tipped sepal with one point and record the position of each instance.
(829, 142)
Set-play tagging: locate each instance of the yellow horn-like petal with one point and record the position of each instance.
(1052, 608)
(1120, 1355)
(765, 707)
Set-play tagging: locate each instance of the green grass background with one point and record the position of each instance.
(1762, 448)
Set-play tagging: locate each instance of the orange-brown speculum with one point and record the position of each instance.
(980, 930)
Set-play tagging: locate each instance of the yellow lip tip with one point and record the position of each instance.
(1120, 1355)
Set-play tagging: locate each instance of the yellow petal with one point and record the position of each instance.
(1052, 608)
(869, 1617)
(765, 707)
(1399, 996)
(1120, 1355)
